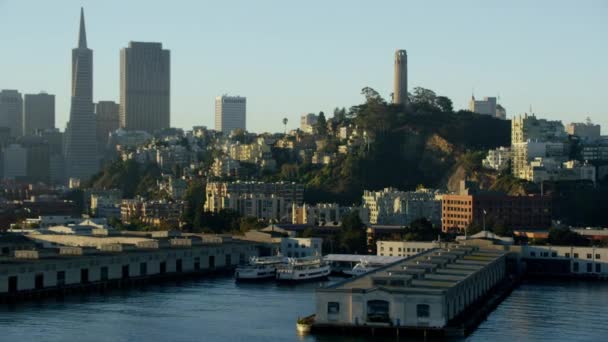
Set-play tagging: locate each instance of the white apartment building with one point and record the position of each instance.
(301, 247)
(393, 207)
(308, 122)
(523, 153)
(497, 159)
(230, 113)
(528, 127)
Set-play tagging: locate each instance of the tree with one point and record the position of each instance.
(444, 104)
(566, 237)
(352, 237)
(321, 125)
(285, 120)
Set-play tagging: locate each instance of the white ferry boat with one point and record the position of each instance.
(364, 266)
(259, 268)
(301, 269)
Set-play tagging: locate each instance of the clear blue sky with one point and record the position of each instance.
(292, 57)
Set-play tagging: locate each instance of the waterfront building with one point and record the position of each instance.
(529, 128)
(47, 221)
(308, 122)
(67, 261)
(11, 111)
(400, 78)
(497, 159)
(301, 247)
(587, 132)
(108, 120)
(424, 291)
(230, 113)
(38, 113)
(469, 206)
(393, 207)
(14, 162)
(404, 248)
(145, 87)
(81, 156)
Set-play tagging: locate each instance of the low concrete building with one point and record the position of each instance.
(301, 247)
(404, 248)
(424, 291)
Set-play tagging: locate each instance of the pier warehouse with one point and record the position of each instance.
(423, 291)
(56, 262)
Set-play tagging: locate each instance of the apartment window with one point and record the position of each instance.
(333, 308)
(597, 256)
(576, 255)
(423, 310)
(588, 255)
(589, 267)
(390, 249)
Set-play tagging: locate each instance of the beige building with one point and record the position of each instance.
(230, 113)
(145, 87)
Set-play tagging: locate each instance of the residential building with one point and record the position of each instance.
(108, 120)
(145, 87)
(154, 213)
(11, 111)
(255, 199)
(400, 78)
(470, 206)
(292, 247)
(81, 156)
(225, 167)
(325, 213)
(230, 113)
(393, 207)
(38, 113)
(587, 131)
(529, 128)
(523, 153)
(497, 159)
(308, 122)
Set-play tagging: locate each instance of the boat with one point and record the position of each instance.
(259, 268)
(302, 269)
(362, 267)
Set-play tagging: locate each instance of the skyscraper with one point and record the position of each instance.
(38, 113)
(230, 113)
(81, 154)
(145, 84)
(108, 120)
(11, 112)
(400, 85)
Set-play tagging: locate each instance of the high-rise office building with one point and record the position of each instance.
(230, 113)
(81, 154)
(11, 112)
(38, 112)
(145, 84)
(400, 85)
(108, 120)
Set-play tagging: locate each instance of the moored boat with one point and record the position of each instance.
(259, 268)
(364, 266)
(302, 269)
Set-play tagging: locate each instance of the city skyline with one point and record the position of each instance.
(327, 65)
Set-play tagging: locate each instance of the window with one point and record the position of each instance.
(588, 255)
(589, 267)
(567, 255)
(333, 308)
(377, 311)
(554, 254)
(390, 249)
(60, 278)
(576, 255)
(532, 254)
(598, 268)
(597, 256)
(423, 310)
(575, 267)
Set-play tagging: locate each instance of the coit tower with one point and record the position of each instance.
(400, 86)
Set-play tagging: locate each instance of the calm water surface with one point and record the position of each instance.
(217, 309)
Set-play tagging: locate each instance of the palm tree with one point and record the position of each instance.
(285, 124)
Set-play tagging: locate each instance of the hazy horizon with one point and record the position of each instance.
(294, 58)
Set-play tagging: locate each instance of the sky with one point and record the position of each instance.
(295, 57)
